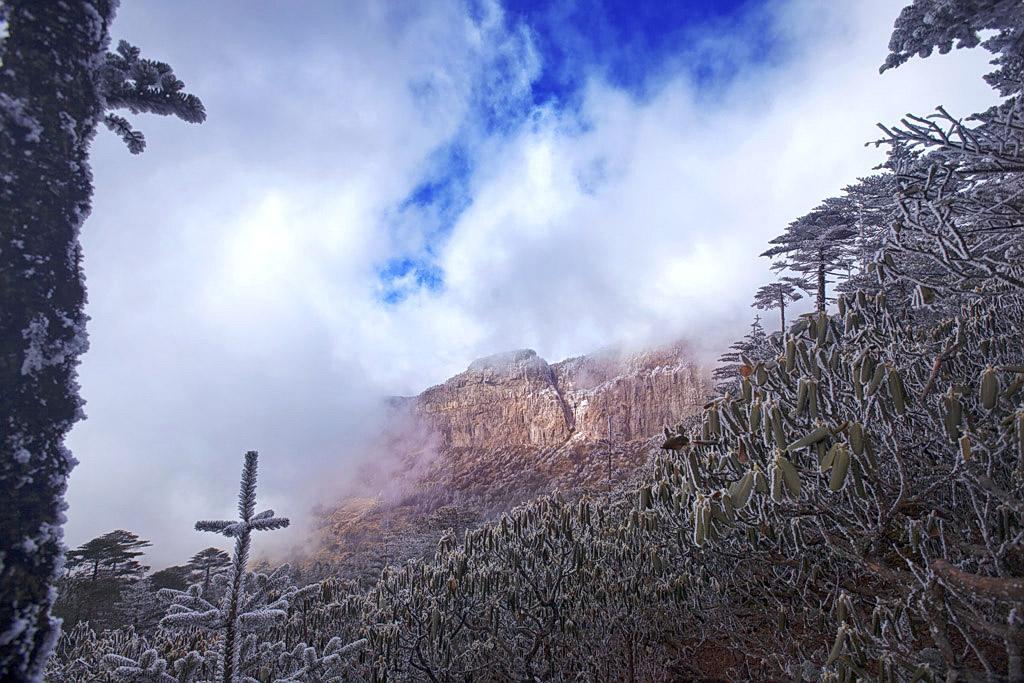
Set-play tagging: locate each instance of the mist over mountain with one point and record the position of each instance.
(509, 428)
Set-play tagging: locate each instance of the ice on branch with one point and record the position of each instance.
(252, 602)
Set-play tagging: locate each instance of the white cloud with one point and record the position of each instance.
(232, 267)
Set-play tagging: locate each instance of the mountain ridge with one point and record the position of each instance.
(510, 427)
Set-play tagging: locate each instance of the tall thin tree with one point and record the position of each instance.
(815, 244)
(776, 295)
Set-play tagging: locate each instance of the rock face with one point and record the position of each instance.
(518, 399)
(511, 427)
(509, 398)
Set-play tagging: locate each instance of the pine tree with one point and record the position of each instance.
(176, 577)
(57, 84)
(754, 346)
(776, 295)
(207, 563)
(928, 24)
(116, 550)
(815, 245)
(98, 572)
(149, 668)
(870, 207)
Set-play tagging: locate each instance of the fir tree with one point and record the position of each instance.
(149, 668)
(56, 85)
(250, 603)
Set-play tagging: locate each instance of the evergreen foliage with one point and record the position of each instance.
(816, 245)
(208, 563)
(753, 346)
(97, 574)
(176, 577)
(252, 601)
(777, 294)
(115, 552)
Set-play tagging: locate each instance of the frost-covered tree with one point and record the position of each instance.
(958, 182)
(928, 24)
(252, 601)
(206, 564)
(776, 295)
(140, 605)
(58, 82)
(815, 245)
(329, 666)
(958, 224)
(870, 486)
(870, 204)
(149, 668)
(753, 346)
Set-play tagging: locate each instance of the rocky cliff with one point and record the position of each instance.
(517, 398)
(513, 426)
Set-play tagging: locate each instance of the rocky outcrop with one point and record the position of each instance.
(625, 397)
(511, 427)
(509, 398)
(517, 399)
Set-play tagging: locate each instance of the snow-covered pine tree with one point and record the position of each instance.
(330, 666)
(870, 208)
(252, 601)
(149, 668)
(140, 605)
(814, 245)
(958, 182)
(928, 24)
(206, 564)
(776, 295)
(56, 85)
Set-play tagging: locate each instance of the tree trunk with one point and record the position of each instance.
(821, 286)
(49, 108)
(782, 310)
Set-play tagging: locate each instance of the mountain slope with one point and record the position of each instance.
(508, 428)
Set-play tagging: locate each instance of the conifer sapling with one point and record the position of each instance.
(247, 606)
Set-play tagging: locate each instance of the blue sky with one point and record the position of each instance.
(385, 191)
(635, 47)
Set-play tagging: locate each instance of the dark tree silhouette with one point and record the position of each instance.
(116, 550)
(57, 83)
